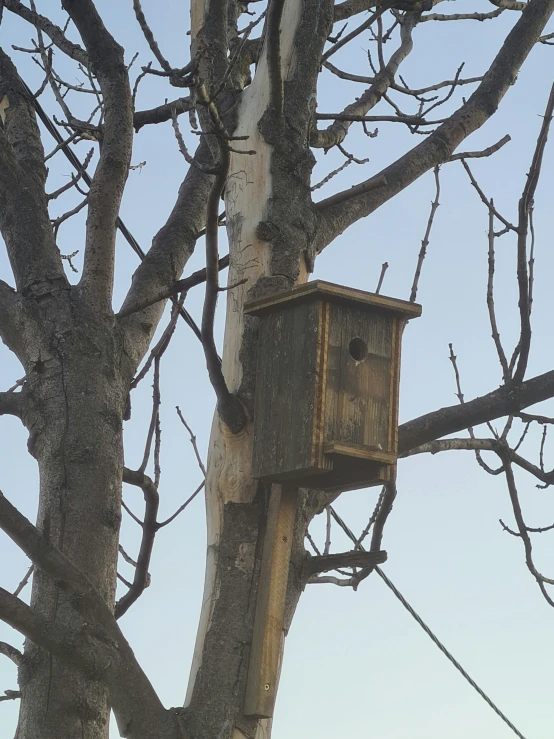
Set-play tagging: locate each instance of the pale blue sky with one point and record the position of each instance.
(356, 663)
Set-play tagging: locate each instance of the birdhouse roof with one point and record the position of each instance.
(318, 289)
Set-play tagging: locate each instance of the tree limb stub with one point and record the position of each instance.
(327, 562)
(10, 404)
(162, 113)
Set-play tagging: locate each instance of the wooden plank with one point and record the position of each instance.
(263, 670)
(330, 290)
(286, 389)
(349, 473)
(359, 452)
(320, 385)
(398, 326)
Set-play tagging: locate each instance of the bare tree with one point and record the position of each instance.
(251, 99)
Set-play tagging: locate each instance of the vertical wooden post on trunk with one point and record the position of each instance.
(263, 671)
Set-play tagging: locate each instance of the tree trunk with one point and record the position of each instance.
(78, 378)
(270, 228)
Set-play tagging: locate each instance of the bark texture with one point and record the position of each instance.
(78, 378)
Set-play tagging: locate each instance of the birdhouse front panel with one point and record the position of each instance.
(327, 383)
(360, 381)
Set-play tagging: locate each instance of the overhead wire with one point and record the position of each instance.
(428, 630)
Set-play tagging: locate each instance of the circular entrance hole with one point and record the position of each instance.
(358, 349)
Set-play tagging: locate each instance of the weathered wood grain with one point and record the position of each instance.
(263, 670)
(285, 414)
(358, 392)
(330, 291)
(359, 452)
(326, 406)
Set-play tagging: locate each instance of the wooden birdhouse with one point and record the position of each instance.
(326, 405)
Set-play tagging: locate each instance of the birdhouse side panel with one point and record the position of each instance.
(286, 392)
(360, 377)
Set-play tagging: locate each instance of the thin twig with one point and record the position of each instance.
(74, 179)
(182, 507)
(192, 441)
(453, 359)
(425, 241)
(141, 578)
(484, 198)
(356, 32)
(524, 208)
(484, 152)
(126, 557)
(163, 343)
(490, 298)
(542, 581)
(230, 408)
(25, 580)
(149, 36)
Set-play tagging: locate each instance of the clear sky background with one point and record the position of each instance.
(356, 664)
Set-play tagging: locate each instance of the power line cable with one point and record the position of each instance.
(428, 631)
(446, 653)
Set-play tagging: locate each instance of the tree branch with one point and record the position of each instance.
(149, 36)
(10, 404)
(542, 581)
(162, 113)
(106, 57)
(483, 152)
(348, 8)
(10, 312)
(149, 529)
(99, 649)
(356, 32)
(181, 286)
(327, 562)
(11, 652)
(417, 92)
(54, 33)
(482, 445)
(462, 16)
(164, 263)
(507, 400)
(373, 184)
(440, 145)
(525, 208)
(273, 42)
(336, 133)
(24, 219)
(228, 405)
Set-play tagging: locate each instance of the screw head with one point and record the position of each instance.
(266, 686)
